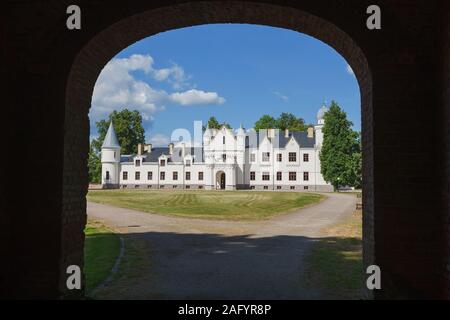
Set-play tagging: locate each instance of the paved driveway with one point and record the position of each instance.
(205, 259)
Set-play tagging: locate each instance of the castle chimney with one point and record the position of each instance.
(310, 132)
(170, 148)
(148, 148)
(183, 150)
(286, 133)
(139, 148)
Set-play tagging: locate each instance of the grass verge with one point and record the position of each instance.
(334, 265)
(101, 248)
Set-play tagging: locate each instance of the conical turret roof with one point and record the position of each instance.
(111, 138)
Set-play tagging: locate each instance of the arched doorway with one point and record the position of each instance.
(220, 180)
(90, 61)
(382, 244)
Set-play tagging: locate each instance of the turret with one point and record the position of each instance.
(110, 159)
(207, 135)
(318, 128)
(240, 138)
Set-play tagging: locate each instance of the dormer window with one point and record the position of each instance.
(138, 163)
(162, 163)
(188, 163)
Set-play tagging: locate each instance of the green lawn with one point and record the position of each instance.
(101, 248)
(223, 205)
(335, 262)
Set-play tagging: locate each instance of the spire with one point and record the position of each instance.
(241, 130)
(111, 138)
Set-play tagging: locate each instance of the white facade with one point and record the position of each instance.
(227, 159)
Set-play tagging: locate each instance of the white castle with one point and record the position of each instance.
(226, 159)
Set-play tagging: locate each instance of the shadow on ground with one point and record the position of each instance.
(164, 265)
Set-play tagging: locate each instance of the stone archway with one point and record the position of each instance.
(103, 46)
(405, 175)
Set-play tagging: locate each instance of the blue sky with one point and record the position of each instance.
(234, 72)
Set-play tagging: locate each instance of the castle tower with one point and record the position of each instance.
(110, 159)
(318, 128)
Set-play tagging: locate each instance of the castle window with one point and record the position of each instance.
(175, 175)
(305, 176)
(149, 175)
(305, 157)
(223, 140)
(265, 176)
(266, 187)
(224, 157)
(265, 156)
(107, 175)
(278, 187)
(200, 176)
(163, 163)
(125, 175)
(279, 157)
(292, 176)
(279, 176)
(137, 175)
(252, 176)
(252, 157)
(292, 156)
(138, 163)
(162, 175)
(188, 176)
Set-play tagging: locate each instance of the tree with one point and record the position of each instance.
(340, 156)
(291, 122)
(214, 124)
(129, 131)
(266, 122)
(94, 166)
(128, 127)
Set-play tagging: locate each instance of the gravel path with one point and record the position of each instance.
(206, 259)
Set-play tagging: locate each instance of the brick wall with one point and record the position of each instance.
(402, 126)
(444, 69)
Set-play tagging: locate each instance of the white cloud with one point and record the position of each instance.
(117, 88)
(350, 70)
(281, 96)
(159, 140)
(196, 97)
(174, 75)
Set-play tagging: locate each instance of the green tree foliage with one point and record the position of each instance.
(291, 122)
(214, 124)
(284, 121)
(340, 156)
(128, 127)
(94, 166)
(266, 122)
(129, 131)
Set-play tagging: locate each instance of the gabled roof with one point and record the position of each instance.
(281, 141)
(111, 138)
